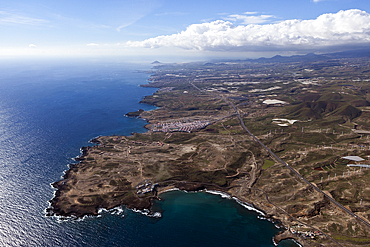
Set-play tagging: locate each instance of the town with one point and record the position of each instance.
(179, 126)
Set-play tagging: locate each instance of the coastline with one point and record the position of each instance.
(144, 205)
(277, 238)
(147, 208)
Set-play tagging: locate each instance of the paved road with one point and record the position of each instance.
(295, 219)
(282, 162)
(293, 170)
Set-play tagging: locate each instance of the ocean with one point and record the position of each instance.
(48, 111)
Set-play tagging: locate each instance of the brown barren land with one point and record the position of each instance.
(195, 141)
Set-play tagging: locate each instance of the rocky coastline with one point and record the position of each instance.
(134, 170)
(134, 113)
(58, 208)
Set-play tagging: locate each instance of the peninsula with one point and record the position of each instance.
(281, 134)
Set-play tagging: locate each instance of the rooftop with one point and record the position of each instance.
(353, 158)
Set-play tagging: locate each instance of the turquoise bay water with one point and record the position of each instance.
(209, 218)
(47, 112)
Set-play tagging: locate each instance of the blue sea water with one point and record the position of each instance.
(48, 110)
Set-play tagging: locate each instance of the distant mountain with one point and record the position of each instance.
(350, 54)
(156, 62)
(312, 57)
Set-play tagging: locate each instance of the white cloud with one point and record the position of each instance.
(350, 27)
(128, 23)
(123, 26)
(92, 44)
(7, 18)
(32, 46)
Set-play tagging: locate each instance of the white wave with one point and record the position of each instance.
(146, 212)
(192, 191)
(278, 226)
(295, 241)
(298, 243)
(119, 211)
(114, 211)
(73, 218)
(157, 215)
(248, 206)
(244, 204)
(226, 196)
(168, 190)
(61, 219)
(222, 194)
(85, 217)
(273, 241)
(261, 217)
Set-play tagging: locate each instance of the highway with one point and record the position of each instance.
(293, 170)
(283, 162)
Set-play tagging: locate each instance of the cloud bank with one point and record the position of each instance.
(349, 27)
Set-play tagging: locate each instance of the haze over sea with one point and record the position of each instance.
(48, 111)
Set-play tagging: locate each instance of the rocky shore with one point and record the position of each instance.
(87, 186)
(134, 170)
(134, 113)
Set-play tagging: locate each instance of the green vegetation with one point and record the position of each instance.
(267, 164)
(352, 240)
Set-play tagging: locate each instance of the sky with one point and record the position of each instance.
(179, 29)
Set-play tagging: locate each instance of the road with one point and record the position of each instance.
(293, 170)
(283, 162)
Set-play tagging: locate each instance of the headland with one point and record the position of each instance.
(225, 126)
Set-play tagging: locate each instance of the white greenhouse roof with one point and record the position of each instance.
(353, 158)
(273, 101)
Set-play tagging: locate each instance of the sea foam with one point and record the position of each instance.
(114, 211)
(248, 206)
(222, 194)
(244, 204)
(148, 213)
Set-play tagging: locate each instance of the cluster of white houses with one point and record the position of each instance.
(179, 126)
(145, 187)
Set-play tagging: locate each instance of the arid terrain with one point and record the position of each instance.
(310, 113)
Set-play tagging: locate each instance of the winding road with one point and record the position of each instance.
(277, 158)
(293, 170)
